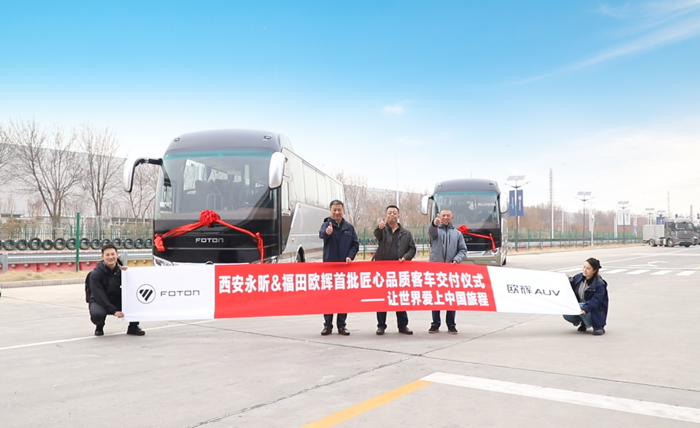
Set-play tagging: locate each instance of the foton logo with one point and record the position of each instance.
(209, 240)
(146, 294)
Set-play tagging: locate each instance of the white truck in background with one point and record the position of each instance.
(675, 231)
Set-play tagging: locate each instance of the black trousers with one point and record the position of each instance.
(328, 320)
(98, 315)
(401, 319)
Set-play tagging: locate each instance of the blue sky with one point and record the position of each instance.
(607, 94)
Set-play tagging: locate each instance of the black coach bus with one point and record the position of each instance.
(252, 180)
(475, 204)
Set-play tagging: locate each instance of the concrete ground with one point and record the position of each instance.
(500, 370)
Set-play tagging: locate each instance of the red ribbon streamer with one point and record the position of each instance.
(465, 231)
(207, 218)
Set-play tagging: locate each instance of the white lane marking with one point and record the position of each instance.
(661, 272)
(569, 270)
(639, 407)
(637, 272)
(686, 273)
(75, 339)
(612, 271)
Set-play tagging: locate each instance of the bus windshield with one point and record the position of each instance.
(234, 183)
(476, 210)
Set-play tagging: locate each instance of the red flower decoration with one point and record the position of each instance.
(463, 228)
(207, 218)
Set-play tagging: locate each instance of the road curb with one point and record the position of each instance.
(41, 283)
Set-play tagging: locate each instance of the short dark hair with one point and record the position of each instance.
(392, 206)
(106, 247)
(336, 202)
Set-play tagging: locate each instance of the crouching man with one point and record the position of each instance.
(105, 283)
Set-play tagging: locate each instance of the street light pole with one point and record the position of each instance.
(623, 205)
(584, 196)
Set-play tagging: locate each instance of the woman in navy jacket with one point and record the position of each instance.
(592, 294)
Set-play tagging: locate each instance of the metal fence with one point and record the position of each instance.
(42, 233)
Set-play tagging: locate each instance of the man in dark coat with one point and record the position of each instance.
(340, 244)
(105, 284)
(394, 243)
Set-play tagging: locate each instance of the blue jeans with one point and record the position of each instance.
(450, 319)
(328, 320)
(401, 319)
(585, 319)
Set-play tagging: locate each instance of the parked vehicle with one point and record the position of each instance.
(475, 206)
(252, 181)
(675, 231)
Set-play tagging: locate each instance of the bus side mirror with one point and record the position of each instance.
(276, 174)
(130, 167)
(424, 204)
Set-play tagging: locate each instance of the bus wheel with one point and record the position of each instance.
(669, 242)
(300, 257)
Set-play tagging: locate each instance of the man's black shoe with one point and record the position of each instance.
(380, 331)
(405, 330)
(452, 330)
(326, 331)
(99, 331)
(135, 330)
(434, 329)
(344, 331)
(599, 332)
(582, 327)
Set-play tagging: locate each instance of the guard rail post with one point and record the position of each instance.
(4, 261)
(77, 242)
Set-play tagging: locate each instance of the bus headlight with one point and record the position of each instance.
(157, 261)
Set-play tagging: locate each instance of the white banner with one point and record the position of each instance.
(188, 292)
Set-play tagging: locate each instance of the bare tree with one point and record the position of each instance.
(411, 215)
(103, 167)
(47, 166)
(140, 200)
(6, 155)
(355, 189)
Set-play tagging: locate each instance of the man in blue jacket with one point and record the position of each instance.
(340, 244)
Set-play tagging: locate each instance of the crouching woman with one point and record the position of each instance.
(592, 294)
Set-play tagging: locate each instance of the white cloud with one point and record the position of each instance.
(397, 109)
(648, 25)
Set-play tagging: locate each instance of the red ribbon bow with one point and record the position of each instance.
(207, 218)
(465, 231)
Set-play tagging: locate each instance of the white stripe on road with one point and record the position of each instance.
(570, 270)
(612, 271)
(661, 272)
(29, 345)
(637, 272)
(646, 408)
(686, 273)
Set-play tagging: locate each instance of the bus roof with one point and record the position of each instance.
(228, 139)
(467, 185)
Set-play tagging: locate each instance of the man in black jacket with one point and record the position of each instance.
(106, 292)
(395, 243)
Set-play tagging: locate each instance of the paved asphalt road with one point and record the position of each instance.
(502, 370)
